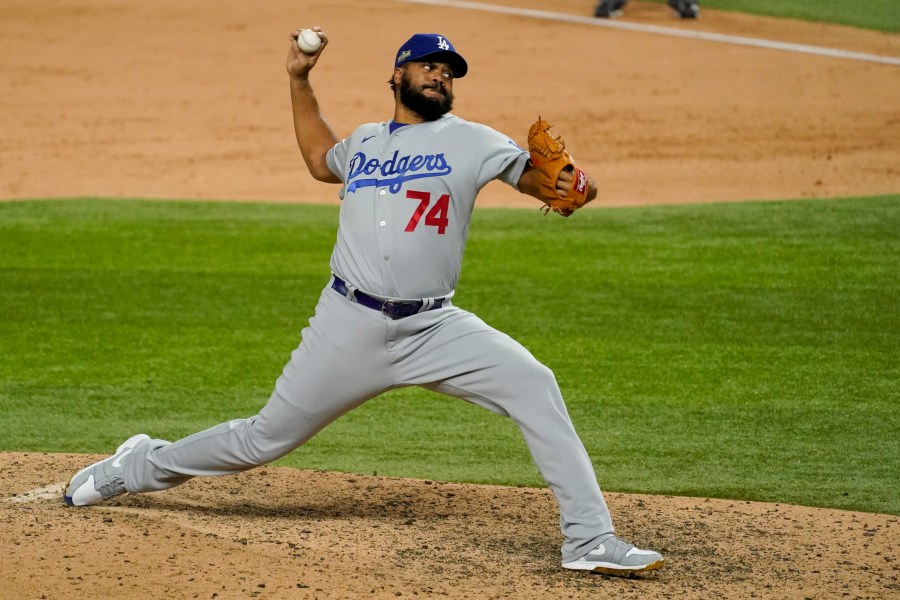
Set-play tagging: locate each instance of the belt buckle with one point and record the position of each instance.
(388, 308)
(395, 309)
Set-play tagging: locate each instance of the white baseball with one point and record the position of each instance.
(309, 41)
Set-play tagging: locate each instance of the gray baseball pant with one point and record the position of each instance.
(349, 354)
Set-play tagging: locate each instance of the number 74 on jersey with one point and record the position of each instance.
(436, 216)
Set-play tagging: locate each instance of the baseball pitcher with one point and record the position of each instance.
(386, 318)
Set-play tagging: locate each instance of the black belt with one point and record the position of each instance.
(392, 309)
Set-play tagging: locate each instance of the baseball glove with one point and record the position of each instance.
(550, 157)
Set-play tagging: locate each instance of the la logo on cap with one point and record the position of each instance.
(431, 46)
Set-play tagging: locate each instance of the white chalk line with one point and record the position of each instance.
(48, 492)
(669, 31)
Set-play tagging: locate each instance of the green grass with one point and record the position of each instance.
(881, 15)
(745, 351)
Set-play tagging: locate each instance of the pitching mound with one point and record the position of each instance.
(285, 533)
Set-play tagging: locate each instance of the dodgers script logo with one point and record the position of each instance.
(394, 171)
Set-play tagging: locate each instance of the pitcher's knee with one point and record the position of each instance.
(260, 447)
(538, 397)
(536, 379)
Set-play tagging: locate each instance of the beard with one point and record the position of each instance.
(429, 108)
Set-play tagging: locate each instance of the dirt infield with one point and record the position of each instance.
(170, 99)
(284, 533)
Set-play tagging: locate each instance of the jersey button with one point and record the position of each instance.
(383, 223)
(387, 258)
(382, 192)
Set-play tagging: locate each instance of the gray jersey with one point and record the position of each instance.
(407, 200)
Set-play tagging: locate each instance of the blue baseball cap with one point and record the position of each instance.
(434, 47)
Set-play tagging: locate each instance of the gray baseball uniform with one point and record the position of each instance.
(407, 198)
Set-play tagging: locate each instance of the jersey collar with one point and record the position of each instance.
(394, 126)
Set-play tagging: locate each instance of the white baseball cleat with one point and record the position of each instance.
(103, 479)
(615, 556)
